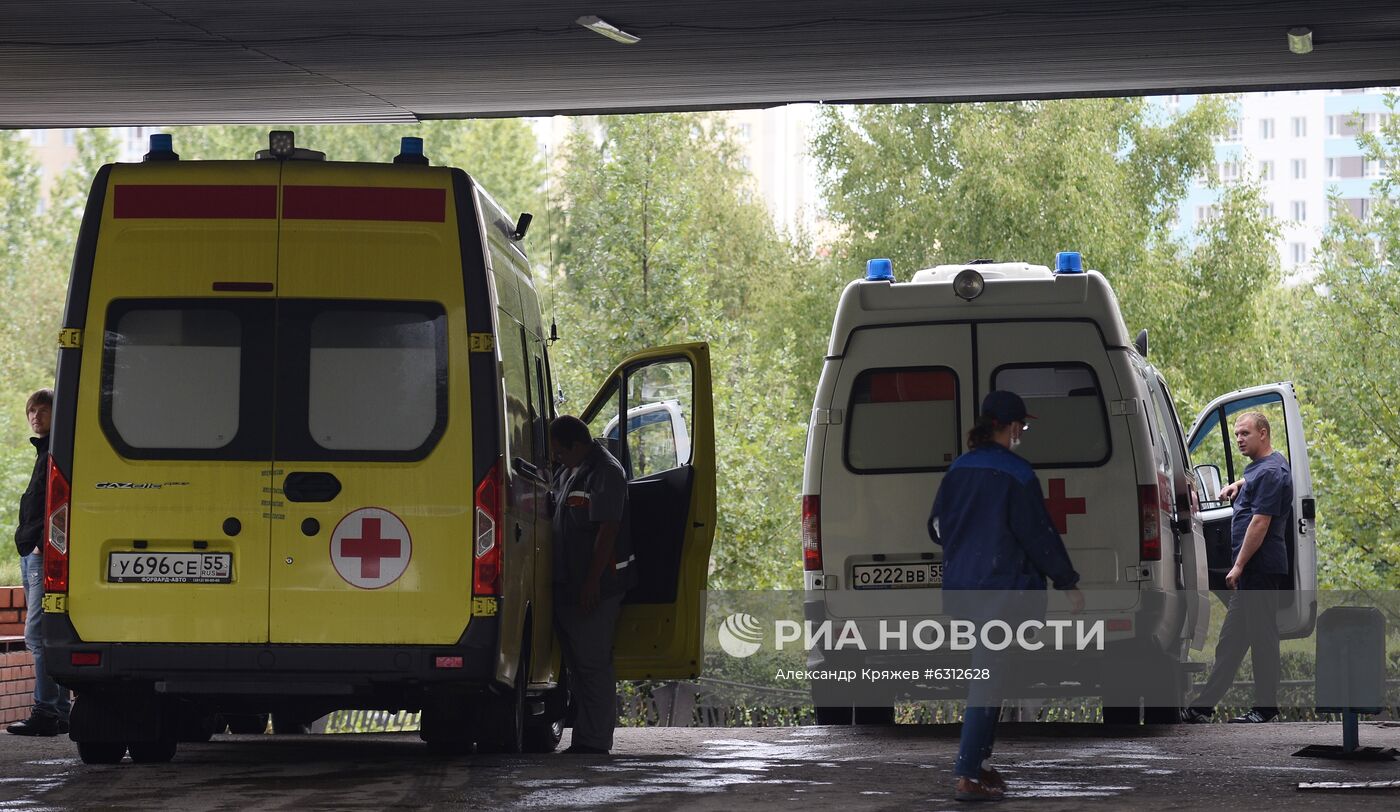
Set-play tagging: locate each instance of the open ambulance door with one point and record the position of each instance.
(1218, 462)
(669, 456)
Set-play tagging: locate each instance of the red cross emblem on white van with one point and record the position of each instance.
(371, 548)
(1061, 507)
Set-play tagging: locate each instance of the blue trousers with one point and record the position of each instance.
(979, 727)
(49, 698)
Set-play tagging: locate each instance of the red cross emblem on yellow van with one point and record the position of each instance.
(1061, 507)
(371, 548)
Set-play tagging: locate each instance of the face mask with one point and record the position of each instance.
(1015, 442)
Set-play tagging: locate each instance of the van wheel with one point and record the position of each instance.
(1120, 715)
(284, 724)
(246, 724)
(101, 752)
(152, 752)
(873, 716)
(832, 715)
(505, 731)
(544, 738)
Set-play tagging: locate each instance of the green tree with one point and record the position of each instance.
(661, 240)
(1349, 339)
(928, 184)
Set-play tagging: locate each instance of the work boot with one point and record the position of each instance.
(36, 725)
(970, 790)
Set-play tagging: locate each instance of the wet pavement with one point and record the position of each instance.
(1049, 767)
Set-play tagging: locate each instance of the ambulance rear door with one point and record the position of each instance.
(1218, 461)
(1080, 449)
(904, 402)
(373, 480)
(671, 494)
(172, 429)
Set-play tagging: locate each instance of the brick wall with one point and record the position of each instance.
(16, 669)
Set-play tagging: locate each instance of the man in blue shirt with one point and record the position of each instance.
(999, 546)
(1263, 512)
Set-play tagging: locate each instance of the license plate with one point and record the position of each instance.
(897, 576)
(170, 568)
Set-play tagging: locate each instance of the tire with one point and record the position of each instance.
(833, 715)
(152, 752)
(873, 716)
(1120, 715)
(101, 752)
(505, 729)
(246, 724)
(544, 738)
(286, 724)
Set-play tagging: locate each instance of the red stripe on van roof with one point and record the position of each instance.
(195, 202)
(906, 387)
(364, 203)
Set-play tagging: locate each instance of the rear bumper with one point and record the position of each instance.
(349, 672)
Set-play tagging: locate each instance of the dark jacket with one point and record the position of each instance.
(32, 506)
(989, 515)
(583, 499)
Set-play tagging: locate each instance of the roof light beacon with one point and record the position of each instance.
(282, 146)
(879, 270)
(1069, 262)
(411, 151)
(162, 148)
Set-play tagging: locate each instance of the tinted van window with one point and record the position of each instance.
(373, 380)
(903, 419)
(176, 380)
(1071, 421)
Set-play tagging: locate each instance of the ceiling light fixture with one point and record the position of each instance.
(607, 29)
(1300, 40)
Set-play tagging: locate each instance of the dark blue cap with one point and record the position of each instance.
(1006, 407)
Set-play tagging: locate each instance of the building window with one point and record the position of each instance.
(1233, 134)
(1204, 214)
(1299, 250)
(1300, 127)
(745, 131)
(1266, 128)
(1300, 168)
(1229, 170)
(38, 137)
(1346, 126)
(1267, 210)
(1360, 207)
(1266, 170)
(70, 137)
(1300, 211)
(1350, 167)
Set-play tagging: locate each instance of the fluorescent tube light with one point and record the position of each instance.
(607, 29)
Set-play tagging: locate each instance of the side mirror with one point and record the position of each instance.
(1208, 479)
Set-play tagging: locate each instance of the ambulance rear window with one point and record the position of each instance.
(172, 378)
(903, 419)
(376, 378)
(1071, 422)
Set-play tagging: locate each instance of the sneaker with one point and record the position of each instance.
(36, 726)
(1197, 716)
(969, 790)
(1255, 716)
(585, 750)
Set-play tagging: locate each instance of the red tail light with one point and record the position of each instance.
(486, 551)
(56, 546)
(811, 533)
(1149, 522)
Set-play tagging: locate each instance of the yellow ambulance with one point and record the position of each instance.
(300, 460)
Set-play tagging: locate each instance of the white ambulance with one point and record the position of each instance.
(908, 365)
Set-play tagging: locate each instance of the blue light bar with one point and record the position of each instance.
(879, 270)
(162, 148)
(410, 145)
(1069, 262)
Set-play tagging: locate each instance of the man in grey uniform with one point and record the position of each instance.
(593, 567)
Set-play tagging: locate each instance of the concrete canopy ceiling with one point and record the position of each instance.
(118, 62)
